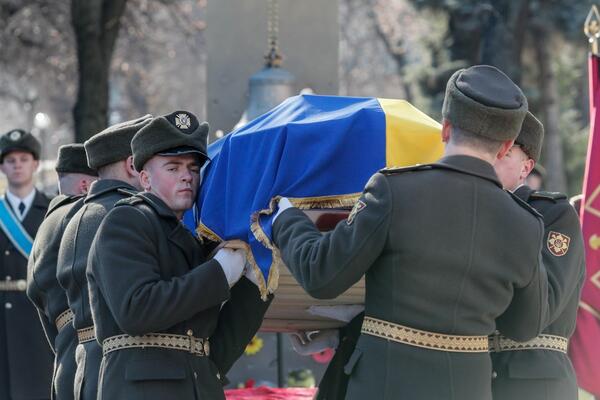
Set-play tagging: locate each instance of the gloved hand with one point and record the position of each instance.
(232, 262)
(306, 344)
(283, 204)
(250, 275)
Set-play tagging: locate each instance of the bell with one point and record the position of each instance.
(267, 89)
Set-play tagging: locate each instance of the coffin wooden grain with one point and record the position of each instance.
(289, 310)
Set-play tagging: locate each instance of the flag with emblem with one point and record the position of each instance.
(583, 348)
(319, 151)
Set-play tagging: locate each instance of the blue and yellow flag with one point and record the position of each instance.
(319, 151)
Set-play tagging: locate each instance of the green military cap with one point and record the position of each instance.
(72, 159)
(18, 139)
(114, 143)
(174, 134)
(531, 137)
(484, 101)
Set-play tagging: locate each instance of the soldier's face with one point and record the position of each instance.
(175, 179)
(513, 168)
(19, 167)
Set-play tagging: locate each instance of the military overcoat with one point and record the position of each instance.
(547, 374)
(25, 356)
(444, 250)
(152, 276)
(71, 269)
(49, 297)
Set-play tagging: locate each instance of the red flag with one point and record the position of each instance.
(584, 347)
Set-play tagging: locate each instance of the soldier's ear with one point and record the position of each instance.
(145, 180)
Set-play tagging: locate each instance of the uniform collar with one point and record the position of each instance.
(470, 165)
(15, 201)
(157, 204)
(523, 192)
(102, 186)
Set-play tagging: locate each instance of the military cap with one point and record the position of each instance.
(72, 159)
(531, 137)
(18, 139)
(114, 143)
(177, 133)
(484, 101)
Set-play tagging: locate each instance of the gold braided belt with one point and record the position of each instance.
(189, 343)
(65, 318)
(86, 334)
(500, 343)
(429, 340)
(19, 285)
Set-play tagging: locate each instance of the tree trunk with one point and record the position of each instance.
(552, 150)
(96, 25)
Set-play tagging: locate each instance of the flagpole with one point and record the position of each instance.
(591, 28)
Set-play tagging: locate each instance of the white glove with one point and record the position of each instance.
(305, 344)
(232, 262)
(250, 275)
(283, 204)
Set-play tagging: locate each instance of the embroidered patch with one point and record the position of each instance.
(182, 121)
(558, 244)
(358, 207)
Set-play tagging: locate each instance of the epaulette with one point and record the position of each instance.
(554, 196)
(399, 170)
(127, 192)
(524, 204)
(61, 200)
(129, 201)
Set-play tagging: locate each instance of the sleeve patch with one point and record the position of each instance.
(558, 243)
(358, 207)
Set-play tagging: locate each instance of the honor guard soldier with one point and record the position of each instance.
(25, 357)
(109, 152)
(74, 180)
(540, 369)
(171, 321)
(433, 243)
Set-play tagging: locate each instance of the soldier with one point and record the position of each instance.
(540, 369)
(74, 179)
(432, 241)
(25, 358)
(109, 152)
(156, 298)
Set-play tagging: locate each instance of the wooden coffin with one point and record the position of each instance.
(289, 310)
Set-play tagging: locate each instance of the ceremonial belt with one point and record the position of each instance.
(498, 343)
(189, 343)
(13, 229)
(65, 318)
(429, 340)
(86, 334)
(19, 285)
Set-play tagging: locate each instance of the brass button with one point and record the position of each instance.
(494, 375)
(190, 332)
(8, 306)
(6, 252)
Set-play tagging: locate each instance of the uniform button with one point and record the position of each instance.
(8, 306)
(8, 277)
(6, 252)
(195, 375)
(494, 375)
(190, 332)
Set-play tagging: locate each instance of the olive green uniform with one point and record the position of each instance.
(151, 276)
(547, 374)
(49, 297)
(443, 249)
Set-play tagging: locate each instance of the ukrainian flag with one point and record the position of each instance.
(319, 151)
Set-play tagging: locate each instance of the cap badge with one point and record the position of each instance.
(558, 244)
(358, 207)
(182, 121)
(14, 136)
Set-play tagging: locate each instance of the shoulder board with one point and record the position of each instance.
(399, 170)
(524, 204)
(129, 201)
(127, 192)
(540, 194)
(61, 200)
